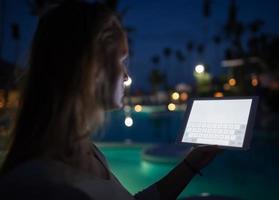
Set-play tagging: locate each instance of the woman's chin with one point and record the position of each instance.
(120, 105)
(116, 106)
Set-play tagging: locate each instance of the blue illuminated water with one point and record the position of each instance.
(251, 174)
(147, 127)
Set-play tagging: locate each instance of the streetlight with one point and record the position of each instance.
(199, 69)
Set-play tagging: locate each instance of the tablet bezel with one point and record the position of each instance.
(249, 127)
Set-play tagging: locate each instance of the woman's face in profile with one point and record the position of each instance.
(119, 87)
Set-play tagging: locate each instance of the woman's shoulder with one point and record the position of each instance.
(28, 169)
(32, 180)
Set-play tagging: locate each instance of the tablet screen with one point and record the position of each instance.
(218, 122)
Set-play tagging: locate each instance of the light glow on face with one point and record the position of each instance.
(119, 93)
(120, 84)
(128, 82)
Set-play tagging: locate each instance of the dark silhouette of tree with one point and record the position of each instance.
(155, 60)
(217, 39)
(156, 79)
(255, 26)
(167, 52)
(234, 29)
(190, 46)
(218, 53)
(200, 49)
(231, 23)
(180, 57)
(206, 9)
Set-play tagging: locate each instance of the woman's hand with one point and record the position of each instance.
(171, 185)
(200, 156)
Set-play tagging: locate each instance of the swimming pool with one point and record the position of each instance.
(247, 175)
(151, 127)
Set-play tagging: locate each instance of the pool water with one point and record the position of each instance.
(251, 174)
(248, 175)
(147, 127)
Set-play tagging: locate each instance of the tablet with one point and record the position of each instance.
(226, 122)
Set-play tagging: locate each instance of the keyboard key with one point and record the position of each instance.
(216, 133)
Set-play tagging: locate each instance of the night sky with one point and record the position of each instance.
(157, 24)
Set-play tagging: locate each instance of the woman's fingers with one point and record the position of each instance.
(209, 148)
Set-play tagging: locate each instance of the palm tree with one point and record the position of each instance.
(167, 52)
(255, 26)
(155, 60)
(200, 49)
(206, 8)
(190, 46)
(180, 57)
(217, 39)
(156, 79)
(254, 40)
(206, 11)
(217, 42)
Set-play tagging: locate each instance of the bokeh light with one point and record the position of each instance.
(184, 96)
(127, 108)
(254, 82)
(138, 108)
(128, 121)
(226, 87)
(175, 96)
(171, 107)
(232, 82)
(199, 69)
(218, 94)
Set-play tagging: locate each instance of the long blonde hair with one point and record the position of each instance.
(73, 69)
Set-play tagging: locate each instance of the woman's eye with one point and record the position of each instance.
(125, 62)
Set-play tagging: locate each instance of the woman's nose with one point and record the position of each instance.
(126, 76)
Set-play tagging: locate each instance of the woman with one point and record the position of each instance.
(76, 74)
